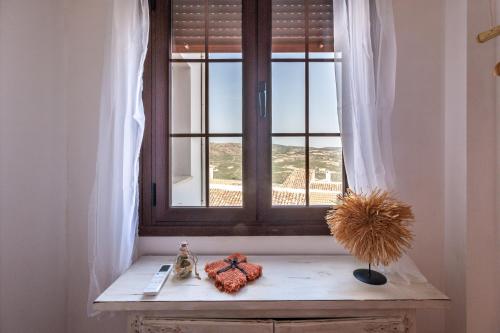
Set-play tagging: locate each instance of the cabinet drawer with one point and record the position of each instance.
(160, 325)
(348, 325)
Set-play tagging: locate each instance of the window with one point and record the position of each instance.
(242, 135)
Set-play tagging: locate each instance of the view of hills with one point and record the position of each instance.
(226, 158)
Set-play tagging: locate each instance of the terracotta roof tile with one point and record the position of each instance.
(320, 194)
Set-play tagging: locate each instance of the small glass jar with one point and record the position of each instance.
(184, 262)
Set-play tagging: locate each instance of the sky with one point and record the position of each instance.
(288, 100)
(288, 96)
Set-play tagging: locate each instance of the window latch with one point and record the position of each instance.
(263, 99)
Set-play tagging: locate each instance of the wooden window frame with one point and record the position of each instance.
(257, 216)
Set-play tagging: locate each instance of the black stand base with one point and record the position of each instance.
(370, 276)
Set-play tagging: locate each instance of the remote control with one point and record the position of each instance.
(158, 280)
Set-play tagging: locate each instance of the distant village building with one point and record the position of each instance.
(290, 192)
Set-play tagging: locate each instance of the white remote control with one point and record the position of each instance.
(158, 280)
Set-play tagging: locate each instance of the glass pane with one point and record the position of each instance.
(320, 24)
(188, 98)
(325, 55)
(188, 171)
(224, 36)
(288, 29)
(225, 172)
(288, 99)
(323, 116)
(288, 168)
(325, 170)
(188, 29)
(225, 97)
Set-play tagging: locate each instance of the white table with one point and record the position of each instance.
(295, 294)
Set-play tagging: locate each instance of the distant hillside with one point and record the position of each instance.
(225, 149)
(226, 158)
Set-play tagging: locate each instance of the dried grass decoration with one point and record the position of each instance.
(373, 227)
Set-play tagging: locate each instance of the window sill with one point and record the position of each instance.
(319, 245)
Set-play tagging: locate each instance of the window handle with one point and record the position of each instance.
(263, 98)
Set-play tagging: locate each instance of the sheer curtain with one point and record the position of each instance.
(113, 212)
(365, 37)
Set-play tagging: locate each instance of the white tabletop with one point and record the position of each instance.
(297, 280)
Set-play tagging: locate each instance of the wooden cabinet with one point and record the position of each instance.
(161, 325)
(146, 324)
(348, 325)
(296, 294)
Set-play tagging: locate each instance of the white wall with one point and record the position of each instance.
(85, 30)
(482, 279)
(470, 186)
(33, 280)
(417, 131)
(418, 136)
(45, 58)
(455, 161)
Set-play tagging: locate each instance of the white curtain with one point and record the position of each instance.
(365, 37)
(113, 212)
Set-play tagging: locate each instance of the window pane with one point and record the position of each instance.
(224, 37)
(225, 97)
(188, 29)
(188, 98)
(288, 168)
(288, 97)
(225, 172)
(187, 168)
(323, 116)
(325, 175)
(325, 55)
(288, 29)
(320, 24)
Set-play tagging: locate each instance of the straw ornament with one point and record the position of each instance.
(373, 227)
